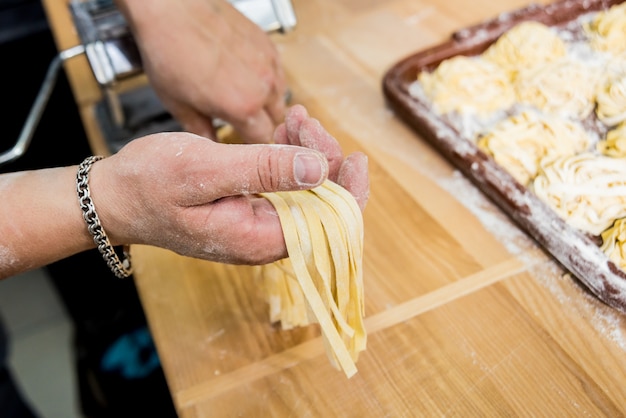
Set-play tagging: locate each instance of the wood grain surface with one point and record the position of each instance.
(466, 315)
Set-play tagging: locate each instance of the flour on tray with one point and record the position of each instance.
(561, 93)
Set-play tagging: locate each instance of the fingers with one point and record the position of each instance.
(353, 176)
(293, 120)
(314, 136)
(254, 115)
(255, 102)
(196, 123)
(276, 104)
(251, 169)
(280, 134)
(199, 200)
(255, 129)
(247, 231)
(254, 228)
(302, 130)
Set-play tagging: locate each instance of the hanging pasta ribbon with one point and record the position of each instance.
(321, 281)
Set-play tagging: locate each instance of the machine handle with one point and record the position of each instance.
(39, 105)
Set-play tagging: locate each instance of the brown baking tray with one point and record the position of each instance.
(576, 251)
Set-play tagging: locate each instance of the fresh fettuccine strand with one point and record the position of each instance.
(587, 190)
(521, 142)
(565, 87)
(524, 47)
(614, 145)
(614, 243)
(323, 230)
(607, 29)
(611, 100)
(468, 85)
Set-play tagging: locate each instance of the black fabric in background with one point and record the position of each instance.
(101, 306)
(89, 290)
(59, 138)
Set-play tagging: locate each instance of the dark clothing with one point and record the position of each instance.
(12, 405)
(119, 373)
(117, 366)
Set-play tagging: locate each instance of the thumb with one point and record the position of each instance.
(264, 168)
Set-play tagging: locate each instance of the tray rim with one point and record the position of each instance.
(580, 255)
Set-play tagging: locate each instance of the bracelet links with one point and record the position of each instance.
(121, 269)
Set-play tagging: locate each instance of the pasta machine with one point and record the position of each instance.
(106, 40)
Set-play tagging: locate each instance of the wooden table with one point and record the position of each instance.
(465, 315)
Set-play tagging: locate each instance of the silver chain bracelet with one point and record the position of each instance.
(121, 269)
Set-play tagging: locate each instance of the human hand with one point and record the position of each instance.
(199, 198)
(206, 60)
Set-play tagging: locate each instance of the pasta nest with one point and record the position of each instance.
(566, 87)
(607, 30)
(614, 145)
(524, 47)
(521, 142)
(614, 243)
(586, 190)
(611, 100)
(468, 85)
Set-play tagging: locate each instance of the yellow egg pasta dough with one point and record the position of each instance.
(611, 100)
(520, 142)
(565, 87)
(321, 281)
(607, 30)
(614, 145)
(468, 85)
(587, 190)
(563, 136)
(614, 243)
(525, 47)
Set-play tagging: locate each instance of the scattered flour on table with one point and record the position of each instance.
(607, 321)
(494, 220)
(417, 18)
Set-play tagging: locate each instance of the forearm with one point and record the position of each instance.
(177, 191)
(162, 15)
(40, 219)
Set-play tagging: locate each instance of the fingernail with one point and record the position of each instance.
(309, 169)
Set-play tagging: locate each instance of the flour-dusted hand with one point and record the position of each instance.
(350, 171)
(178, 191)
(206, 60)
(199, 198)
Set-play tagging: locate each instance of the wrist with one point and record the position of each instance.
(120, 267)
(106, 197)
